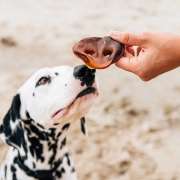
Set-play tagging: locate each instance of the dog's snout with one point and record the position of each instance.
(84, 74)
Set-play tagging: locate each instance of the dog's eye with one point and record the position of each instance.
(43, 80)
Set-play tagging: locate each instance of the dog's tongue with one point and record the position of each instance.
(97, 52)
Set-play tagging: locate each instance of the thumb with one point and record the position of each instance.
(128, 38)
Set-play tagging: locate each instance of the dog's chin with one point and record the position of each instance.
(77, 108)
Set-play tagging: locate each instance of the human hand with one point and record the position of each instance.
(155, 53)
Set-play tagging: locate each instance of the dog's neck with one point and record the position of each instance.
(44, 146)
(40, 151)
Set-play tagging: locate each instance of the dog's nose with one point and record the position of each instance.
(84, 74)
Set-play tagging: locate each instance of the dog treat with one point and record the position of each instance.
(97, 52)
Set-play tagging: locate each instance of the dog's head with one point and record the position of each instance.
(52, 96)
(55, 95)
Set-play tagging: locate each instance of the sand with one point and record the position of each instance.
(134, 127)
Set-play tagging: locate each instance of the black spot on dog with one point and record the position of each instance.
(1, 129)
(56, 124)
(59, 134)
(66, 126)
(56, 73)
(83, 125)
(73, 170)
(7, 130)
(58, 174)
(85, 75)
(52, 133)
(28, 115)
(17, 138)
(41, 126)
(63, 170)
(5, 171)
(15, 108)
(28, 131)
(13, 170)
(36, 148)
(63, 143)
(34, 165)
(68, 159)
(53, 147)
(41, 135)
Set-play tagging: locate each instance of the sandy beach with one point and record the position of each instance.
(134, 127)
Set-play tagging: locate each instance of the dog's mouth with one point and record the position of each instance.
(85, 92)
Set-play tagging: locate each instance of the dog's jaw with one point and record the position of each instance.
(78, 108)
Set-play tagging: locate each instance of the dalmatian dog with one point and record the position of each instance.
(36, 125)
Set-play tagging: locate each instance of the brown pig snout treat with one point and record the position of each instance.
(99, 52)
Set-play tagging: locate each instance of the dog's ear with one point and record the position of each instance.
(15, 108)
(12, 116)
(11, 128)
